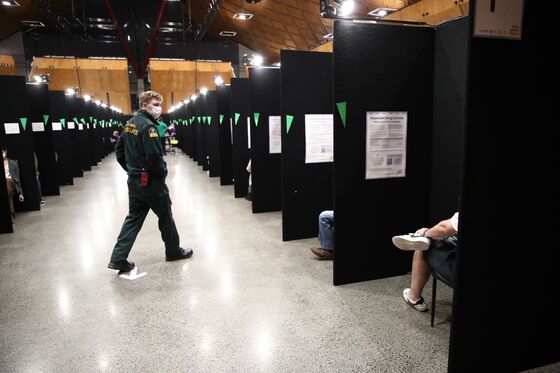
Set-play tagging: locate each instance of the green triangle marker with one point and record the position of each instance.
(23, 122)
(209, 120)
(75, 120)
(342, 111)
(221, 118)
(289, 120)
(91, 119)
(45, 118)
(237, 115)
(63, 122)
(199, 120)
(83, 120)
(204, 120)
(256, 116)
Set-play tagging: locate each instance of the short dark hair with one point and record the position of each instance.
(4, 147)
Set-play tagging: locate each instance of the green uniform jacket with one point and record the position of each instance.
(139, 147)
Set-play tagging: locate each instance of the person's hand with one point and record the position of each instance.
(21, 199)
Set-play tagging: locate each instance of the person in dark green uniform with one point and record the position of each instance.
(140, 154)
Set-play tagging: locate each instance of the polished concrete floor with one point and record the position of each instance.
(245, 302)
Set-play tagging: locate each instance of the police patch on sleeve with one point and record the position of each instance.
(153, 133)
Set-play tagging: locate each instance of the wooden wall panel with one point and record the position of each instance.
(177, 80)
(7, 65)
(106, 80)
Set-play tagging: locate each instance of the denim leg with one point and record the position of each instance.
(326, 229)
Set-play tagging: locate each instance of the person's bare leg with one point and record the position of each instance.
(420, 275)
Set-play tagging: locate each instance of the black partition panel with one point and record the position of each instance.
(264, 100)
(75, 137)
(61, 137)
(450, 85)
(213, 134)
(379, 68)
(17, 134)
(240, 150)
(200, 135)
(83, 138)
(91, 133)
(225, 135)
(43, 141)
(507, 269)
(307, 188)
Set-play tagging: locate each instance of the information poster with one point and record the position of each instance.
(80, 126)
(56, 126)
(231, 129)
(38, 126)
(249, 132)
(71, 125)
(11, 128)
(386, 144)
(275, 134)
(319, 138)
(498, 19)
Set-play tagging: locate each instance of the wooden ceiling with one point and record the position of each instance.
(276, 24)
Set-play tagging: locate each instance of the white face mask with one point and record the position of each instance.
(4, 155)
(154, 111)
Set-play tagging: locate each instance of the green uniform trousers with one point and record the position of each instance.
(140, 200)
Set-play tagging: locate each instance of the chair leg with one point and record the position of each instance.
(433, 310)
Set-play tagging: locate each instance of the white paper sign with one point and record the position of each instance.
(88, 126)
(71, 125)
(56, 126)
(275, 134)
(231, 129)
(319, 138)
(498, 19)
(38, 126)
(80, 126)
(249, 132)
(386, 144)
(11, 128)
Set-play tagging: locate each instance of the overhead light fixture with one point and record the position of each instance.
(328, 36)
(193, 97)
(346, 7)
(72, 91)
(186, 101)
(104, 106)
(257, 60)
(228, 34)
(381, 12)
(30, 23)
(10, 3)
(87, 98)
(277, 64)
(128, 37)
(97, 102)
(37, 78)
(243, 16)
(218, 80)
(203, 91)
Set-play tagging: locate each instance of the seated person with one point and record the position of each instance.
(115, 137)
(433, 247)
(11, 170)
(326, 236)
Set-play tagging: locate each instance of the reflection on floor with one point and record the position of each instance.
(245, 302)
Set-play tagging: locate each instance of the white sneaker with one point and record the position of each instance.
(418, 305)
(410, 242)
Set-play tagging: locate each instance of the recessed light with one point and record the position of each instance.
(228, 33)
(381, 12)
(243, 16)
(10, 3)
(33, 23)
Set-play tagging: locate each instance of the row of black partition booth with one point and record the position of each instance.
(53, 136)
(454, 106)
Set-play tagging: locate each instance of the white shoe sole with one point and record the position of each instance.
(409, 243)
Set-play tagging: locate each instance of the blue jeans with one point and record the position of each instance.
(326, 230)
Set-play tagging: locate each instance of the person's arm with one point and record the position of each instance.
(15, 176)
(441, 230)
(153, 150)
(119, 151)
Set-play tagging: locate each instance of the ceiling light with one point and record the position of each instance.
(87, 98)
(381, 12)
(193, 97)
(37, 78)
(186, 101)
(243, 16)
(10, 3)
(346, 7)
(33, 23)
(257, 60)
(277, 64)
(228, 33)
(72, 91)
(97, 102)
(203, 90)
(218, 80)
(104, 106)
